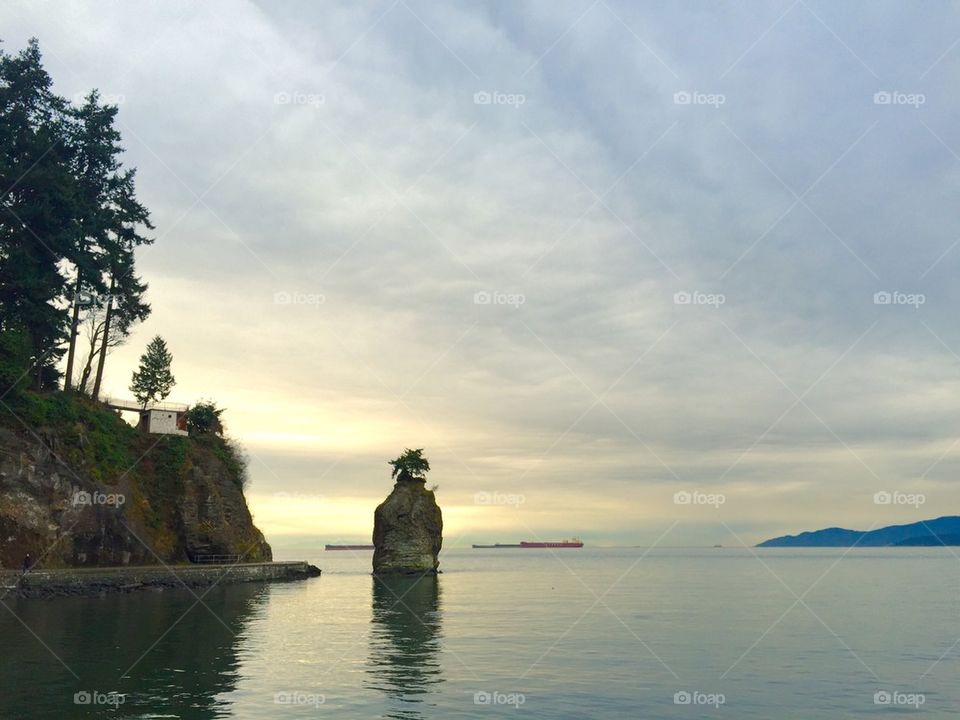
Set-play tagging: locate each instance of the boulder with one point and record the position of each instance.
(407, 530)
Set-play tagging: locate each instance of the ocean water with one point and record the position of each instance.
(591, 633)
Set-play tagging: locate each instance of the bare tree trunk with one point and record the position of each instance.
(84, 377)
(68, 378)
(103, 345)
(91, 354)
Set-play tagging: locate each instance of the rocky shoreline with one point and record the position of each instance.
(98, 582)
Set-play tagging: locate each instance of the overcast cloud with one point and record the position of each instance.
(472, 227)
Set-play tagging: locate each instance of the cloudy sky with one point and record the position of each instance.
(588, 254)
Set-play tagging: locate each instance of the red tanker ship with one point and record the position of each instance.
(572, 543)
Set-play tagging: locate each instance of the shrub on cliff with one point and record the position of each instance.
(205, 426)
(204, 417)
(88, 437)
(410, 466)
(235, 458)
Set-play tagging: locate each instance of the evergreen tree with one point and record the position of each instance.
(69, 225)
(37, 231)
(153, 381)
(412, 465)
(108, 218)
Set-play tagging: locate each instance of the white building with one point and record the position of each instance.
(157, 418)
(164, 422)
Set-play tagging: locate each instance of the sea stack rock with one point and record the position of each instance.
(408, 525)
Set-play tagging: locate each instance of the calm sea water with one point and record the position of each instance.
(592, 633)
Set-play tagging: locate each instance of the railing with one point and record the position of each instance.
(216, 559)
(134, 406)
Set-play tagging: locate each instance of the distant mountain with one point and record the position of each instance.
(930, 540)
(941, 531)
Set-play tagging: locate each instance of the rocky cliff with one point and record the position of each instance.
(407, 530)
(80, 487)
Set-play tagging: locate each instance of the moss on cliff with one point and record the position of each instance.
(183, 496)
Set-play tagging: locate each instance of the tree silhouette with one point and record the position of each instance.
(410, 466)
(153, 380)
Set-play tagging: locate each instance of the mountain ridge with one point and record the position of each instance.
(944, 530)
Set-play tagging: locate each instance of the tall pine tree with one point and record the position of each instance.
(69, 225)
(37, 211)
(153, 381)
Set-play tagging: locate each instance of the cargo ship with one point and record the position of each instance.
(348, 547)
(572, 543)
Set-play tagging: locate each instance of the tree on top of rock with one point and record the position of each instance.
(410, 466)
(153, 381)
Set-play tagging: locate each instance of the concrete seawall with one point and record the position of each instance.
(65, 582)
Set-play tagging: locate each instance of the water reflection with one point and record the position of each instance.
(405, 643)
(179, 656)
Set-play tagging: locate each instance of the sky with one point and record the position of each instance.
(675, 273)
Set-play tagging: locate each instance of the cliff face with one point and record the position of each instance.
(407, 530)
(80, 487)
